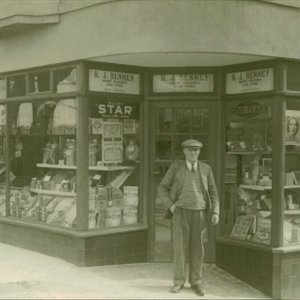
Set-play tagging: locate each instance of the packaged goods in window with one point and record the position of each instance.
(112, 216)
(69, 153)
(263, 232)
(129, 126)
(93, 149)
(129, 215)
(58, 216)
(235, 139)
(96, 125)
(110, 195)
(241, 227)
(131, 196)
(121, 178)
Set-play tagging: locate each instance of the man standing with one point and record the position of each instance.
(190, 187)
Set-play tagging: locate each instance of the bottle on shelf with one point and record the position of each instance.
(69, 152)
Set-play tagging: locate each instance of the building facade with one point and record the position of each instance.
(96, 98)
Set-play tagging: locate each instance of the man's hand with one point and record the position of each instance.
(172, 208)
(214, 219)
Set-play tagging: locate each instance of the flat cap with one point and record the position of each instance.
(191, 143)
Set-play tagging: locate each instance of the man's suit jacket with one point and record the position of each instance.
(172, 183)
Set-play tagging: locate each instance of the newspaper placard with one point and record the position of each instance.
(112, 142)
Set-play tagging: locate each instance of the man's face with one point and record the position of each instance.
(191, 154)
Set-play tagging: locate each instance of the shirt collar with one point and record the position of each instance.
(189, 165)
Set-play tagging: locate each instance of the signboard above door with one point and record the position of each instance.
(250, 81)
(184, 83)
(114, 82)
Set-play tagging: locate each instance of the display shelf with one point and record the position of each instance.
(292, 186)
(54, 193)
(255, 187)
(292, 212)
(111, 168)
(91, 168)
(63, 167)
(247, 152)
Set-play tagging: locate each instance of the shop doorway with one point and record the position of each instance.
(170, 124)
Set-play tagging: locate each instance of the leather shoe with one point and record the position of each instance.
(198, 289)
(176, 288)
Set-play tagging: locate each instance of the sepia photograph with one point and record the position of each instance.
(149, 149)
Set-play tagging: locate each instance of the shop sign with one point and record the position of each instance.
(174, 83)
(250, 81)
(250, 109)
(114, 82)
(113, 110)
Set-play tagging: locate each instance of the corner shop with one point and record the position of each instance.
(164, 112)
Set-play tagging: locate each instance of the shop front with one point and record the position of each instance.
(71, 179)
(259, 232)
(84, 146)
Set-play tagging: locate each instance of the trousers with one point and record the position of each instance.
(188, 236)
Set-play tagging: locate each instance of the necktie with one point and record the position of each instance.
(193, 168)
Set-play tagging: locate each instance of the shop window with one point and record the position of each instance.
(65, 80)
(3, 162)
(39, 82)
(3, 88)
(43, 162)
(113, 156)
(291, 204)
(248, 173)
(16, 86)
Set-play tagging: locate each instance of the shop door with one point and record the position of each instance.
(170, 124)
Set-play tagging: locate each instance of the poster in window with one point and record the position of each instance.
(241, 227)
(112, 142)
(292, 136)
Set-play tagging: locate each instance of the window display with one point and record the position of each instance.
(43, 161)
(113, 152)
(248, 172)
(3, 160)
(291, 224)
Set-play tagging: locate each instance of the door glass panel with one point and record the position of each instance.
(183, 120)
(204, 154)
(163, 147)
(200, 120)
(165, 120)
(178, 154)
(173, 126)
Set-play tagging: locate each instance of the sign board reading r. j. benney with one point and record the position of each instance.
(114, 82)
(250, 81)
(173, 83)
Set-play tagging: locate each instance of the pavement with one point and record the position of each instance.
(25, 274)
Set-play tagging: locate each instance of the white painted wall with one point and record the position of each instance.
(117, 27)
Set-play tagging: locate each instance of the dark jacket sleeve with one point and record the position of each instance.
(213, 193)
(165, 186)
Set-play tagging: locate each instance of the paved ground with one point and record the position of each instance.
(29, 275)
